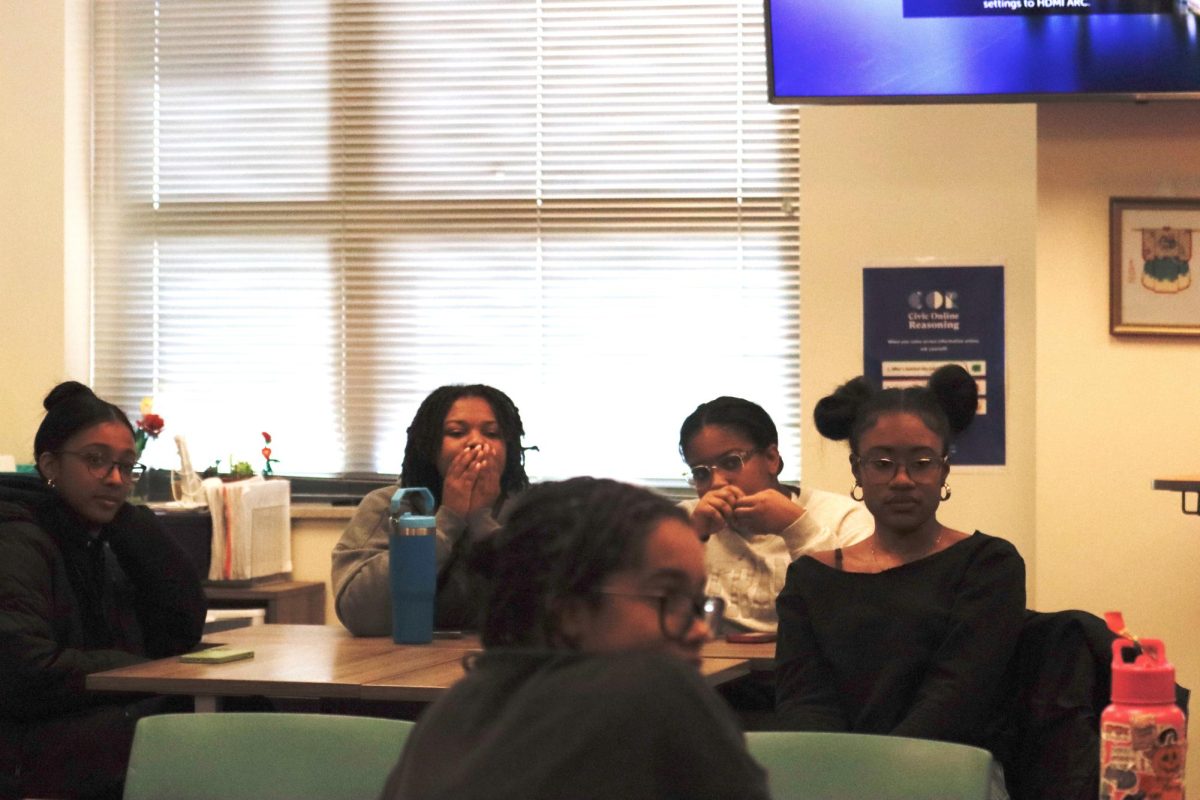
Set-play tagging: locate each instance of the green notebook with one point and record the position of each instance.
(217, 655)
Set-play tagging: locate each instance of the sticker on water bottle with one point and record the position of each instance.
(1143, 731)
(1141, 760)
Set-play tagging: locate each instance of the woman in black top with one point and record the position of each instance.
(87, 583)
(911, 631)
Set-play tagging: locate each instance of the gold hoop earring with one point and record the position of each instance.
(945, 492)
(857, 486)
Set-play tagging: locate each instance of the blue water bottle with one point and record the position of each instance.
(413, 566)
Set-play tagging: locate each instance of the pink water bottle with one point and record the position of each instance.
(1143, 734)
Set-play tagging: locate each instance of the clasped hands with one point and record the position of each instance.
(768, 511)
(472, 481)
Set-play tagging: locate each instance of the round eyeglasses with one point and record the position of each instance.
(678, 612)
(924, 469)
(730, 463)
(100, 466)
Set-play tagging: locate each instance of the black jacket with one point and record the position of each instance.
(1062, 674)
(72, 604)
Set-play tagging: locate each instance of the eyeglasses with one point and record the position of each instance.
(678, 612)
(730, 463)
(100, 466)
(881, 470)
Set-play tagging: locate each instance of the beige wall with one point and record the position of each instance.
(895, 185)
(43, 209)
(1113, 413)
(31, 215)
(312, 544)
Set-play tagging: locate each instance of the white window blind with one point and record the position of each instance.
(308, 214)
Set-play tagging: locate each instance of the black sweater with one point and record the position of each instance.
(72, 603)
(533, 724)
(921, 650)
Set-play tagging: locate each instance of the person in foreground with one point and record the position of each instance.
(910, 632)
(87, 583)
(753, 525)
(464, 445)
(588, 685)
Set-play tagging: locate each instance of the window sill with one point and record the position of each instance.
(322, 511)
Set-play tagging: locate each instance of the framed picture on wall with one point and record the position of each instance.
(1153, 286)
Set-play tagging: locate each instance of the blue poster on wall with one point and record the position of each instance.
(916, 319)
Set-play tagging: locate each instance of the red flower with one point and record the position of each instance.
(152, 424)
(266, 451)
(266, 437)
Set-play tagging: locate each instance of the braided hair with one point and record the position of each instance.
(425, 438)
(562, 540)
(946, 406)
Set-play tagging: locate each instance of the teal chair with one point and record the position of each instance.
(236, 756)
(854, 766)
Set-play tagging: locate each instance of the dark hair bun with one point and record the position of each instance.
(835, 414)
(66, 392)
(957, 394)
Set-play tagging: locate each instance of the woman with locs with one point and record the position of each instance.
(464, 445)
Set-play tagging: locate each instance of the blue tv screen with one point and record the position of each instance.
(905, 51)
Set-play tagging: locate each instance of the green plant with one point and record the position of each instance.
(241, 469)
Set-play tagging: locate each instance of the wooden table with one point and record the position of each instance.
(1185, 484)
(761, 657)
(427, 683)
(303, 661)
(319, 661)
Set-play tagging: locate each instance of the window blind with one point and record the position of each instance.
(308, 214)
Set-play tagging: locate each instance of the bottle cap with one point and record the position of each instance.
(1149, 680)
(409, 520)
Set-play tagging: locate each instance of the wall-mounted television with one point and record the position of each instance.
(938, 51)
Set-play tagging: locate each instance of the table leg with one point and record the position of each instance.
(207, 703)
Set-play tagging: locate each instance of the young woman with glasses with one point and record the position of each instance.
(588, 685)
(87, 583)
(911, 631)
(464, 445)
(753, 525)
